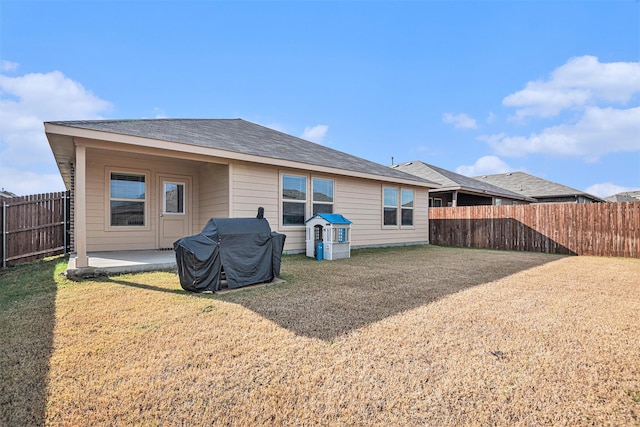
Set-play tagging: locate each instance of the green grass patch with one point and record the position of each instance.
(29, 280)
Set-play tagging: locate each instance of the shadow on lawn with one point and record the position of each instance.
(330, 298)
(113, 279)
(27, 320)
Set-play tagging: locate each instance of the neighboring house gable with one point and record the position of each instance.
(141, 184)
(460, 190)
(627, 196)
(4, 194)
(540, 189)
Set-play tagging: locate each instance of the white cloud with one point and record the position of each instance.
(315, 133)
(25, 103)
(8, 65)
(599, 131)
(607, 189)
(461, 121)
(582, 81)
(487, 165)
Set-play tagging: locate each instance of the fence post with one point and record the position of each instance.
(4, 234)
(64, 219)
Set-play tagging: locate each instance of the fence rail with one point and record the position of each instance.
(600, 229)
(34, 227)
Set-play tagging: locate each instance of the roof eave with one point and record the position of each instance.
(76, 132)
(487, 193)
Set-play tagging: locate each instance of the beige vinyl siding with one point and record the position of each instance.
(237, 190)
(361, 202)
(255, 186)
(101, 237)
(259, 185)
(214, 193)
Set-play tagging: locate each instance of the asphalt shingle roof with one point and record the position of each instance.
(627, 196)
(241, 136)
(454, 181)
(531, 186)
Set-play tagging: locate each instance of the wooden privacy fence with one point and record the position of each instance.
(34, 227)
(600, 229)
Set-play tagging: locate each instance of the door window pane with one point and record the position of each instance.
(173, 197)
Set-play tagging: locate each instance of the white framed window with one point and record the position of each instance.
(406, 202)
(322, 195)
(435, 202)
(173, 198)
(127, 199)
(294, 199)
(390, 206)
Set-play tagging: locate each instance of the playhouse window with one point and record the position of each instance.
(127, 199)
(294, 199)
(322, 195)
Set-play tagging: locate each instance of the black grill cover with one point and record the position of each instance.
(245, 248)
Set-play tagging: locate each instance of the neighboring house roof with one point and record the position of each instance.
(4, 194)
(452, 181)
(627, 196)
(233, 136)
(532, 186)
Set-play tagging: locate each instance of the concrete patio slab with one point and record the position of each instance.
(121, 262)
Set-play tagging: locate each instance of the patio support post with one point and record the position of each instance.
(230, 198)
(81, 208)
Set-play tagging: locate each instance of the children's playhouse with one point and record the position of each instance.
(328, 236)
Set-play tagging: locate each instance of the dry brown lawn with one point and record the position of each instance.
(402, 336)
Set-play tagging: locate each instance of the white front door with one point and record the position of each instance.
(175, 214)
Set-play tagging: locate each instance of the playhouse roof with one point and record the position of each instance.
(331, 218)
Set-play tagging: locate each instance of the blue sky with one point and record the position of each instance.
(551, 88)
